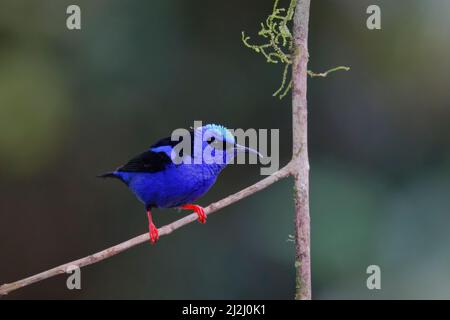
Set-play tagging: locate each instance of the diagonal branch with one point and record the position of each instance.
(163, 231)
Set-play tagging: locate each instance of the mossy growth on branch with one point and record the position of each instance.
(279, 44)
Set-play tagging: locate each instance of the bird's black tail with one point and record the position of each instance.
(112, 175)
(107, 175)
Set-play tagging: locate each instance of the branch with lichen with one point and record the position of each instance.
(326, 73)
(279, 42)
(279, 45)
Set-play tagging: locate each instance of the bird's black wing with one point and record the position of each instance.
(152, 161)
(148, 161)
(167, 141)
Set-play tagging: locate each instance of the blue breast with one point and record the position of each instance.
(172, 187)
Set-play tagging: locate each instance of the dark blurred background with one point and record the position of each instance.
(77, 103)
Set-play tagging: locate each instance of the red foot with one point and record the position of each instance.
(152, 230)
(198, 210)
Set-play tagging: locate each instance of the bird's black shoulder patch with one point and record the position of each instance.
(167, 141)
(148, 161)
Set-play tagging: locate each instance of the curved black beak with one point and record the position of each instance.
(245, 149)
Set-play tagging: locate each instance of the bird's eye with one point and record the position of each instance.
(211, 140)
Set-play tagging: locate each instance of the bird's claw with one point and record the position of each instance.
(153, 232)
(201, 215)
(198, 210)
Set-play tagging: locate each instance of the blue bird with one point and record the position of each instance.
(166, 177)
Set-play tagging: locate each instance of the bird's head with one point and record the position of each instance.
(218, 145)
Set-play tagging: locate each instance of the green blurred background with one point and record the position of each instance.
(77, 103)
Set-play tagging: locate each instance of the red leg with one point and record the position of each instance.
(198, 210)
(152, 230)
